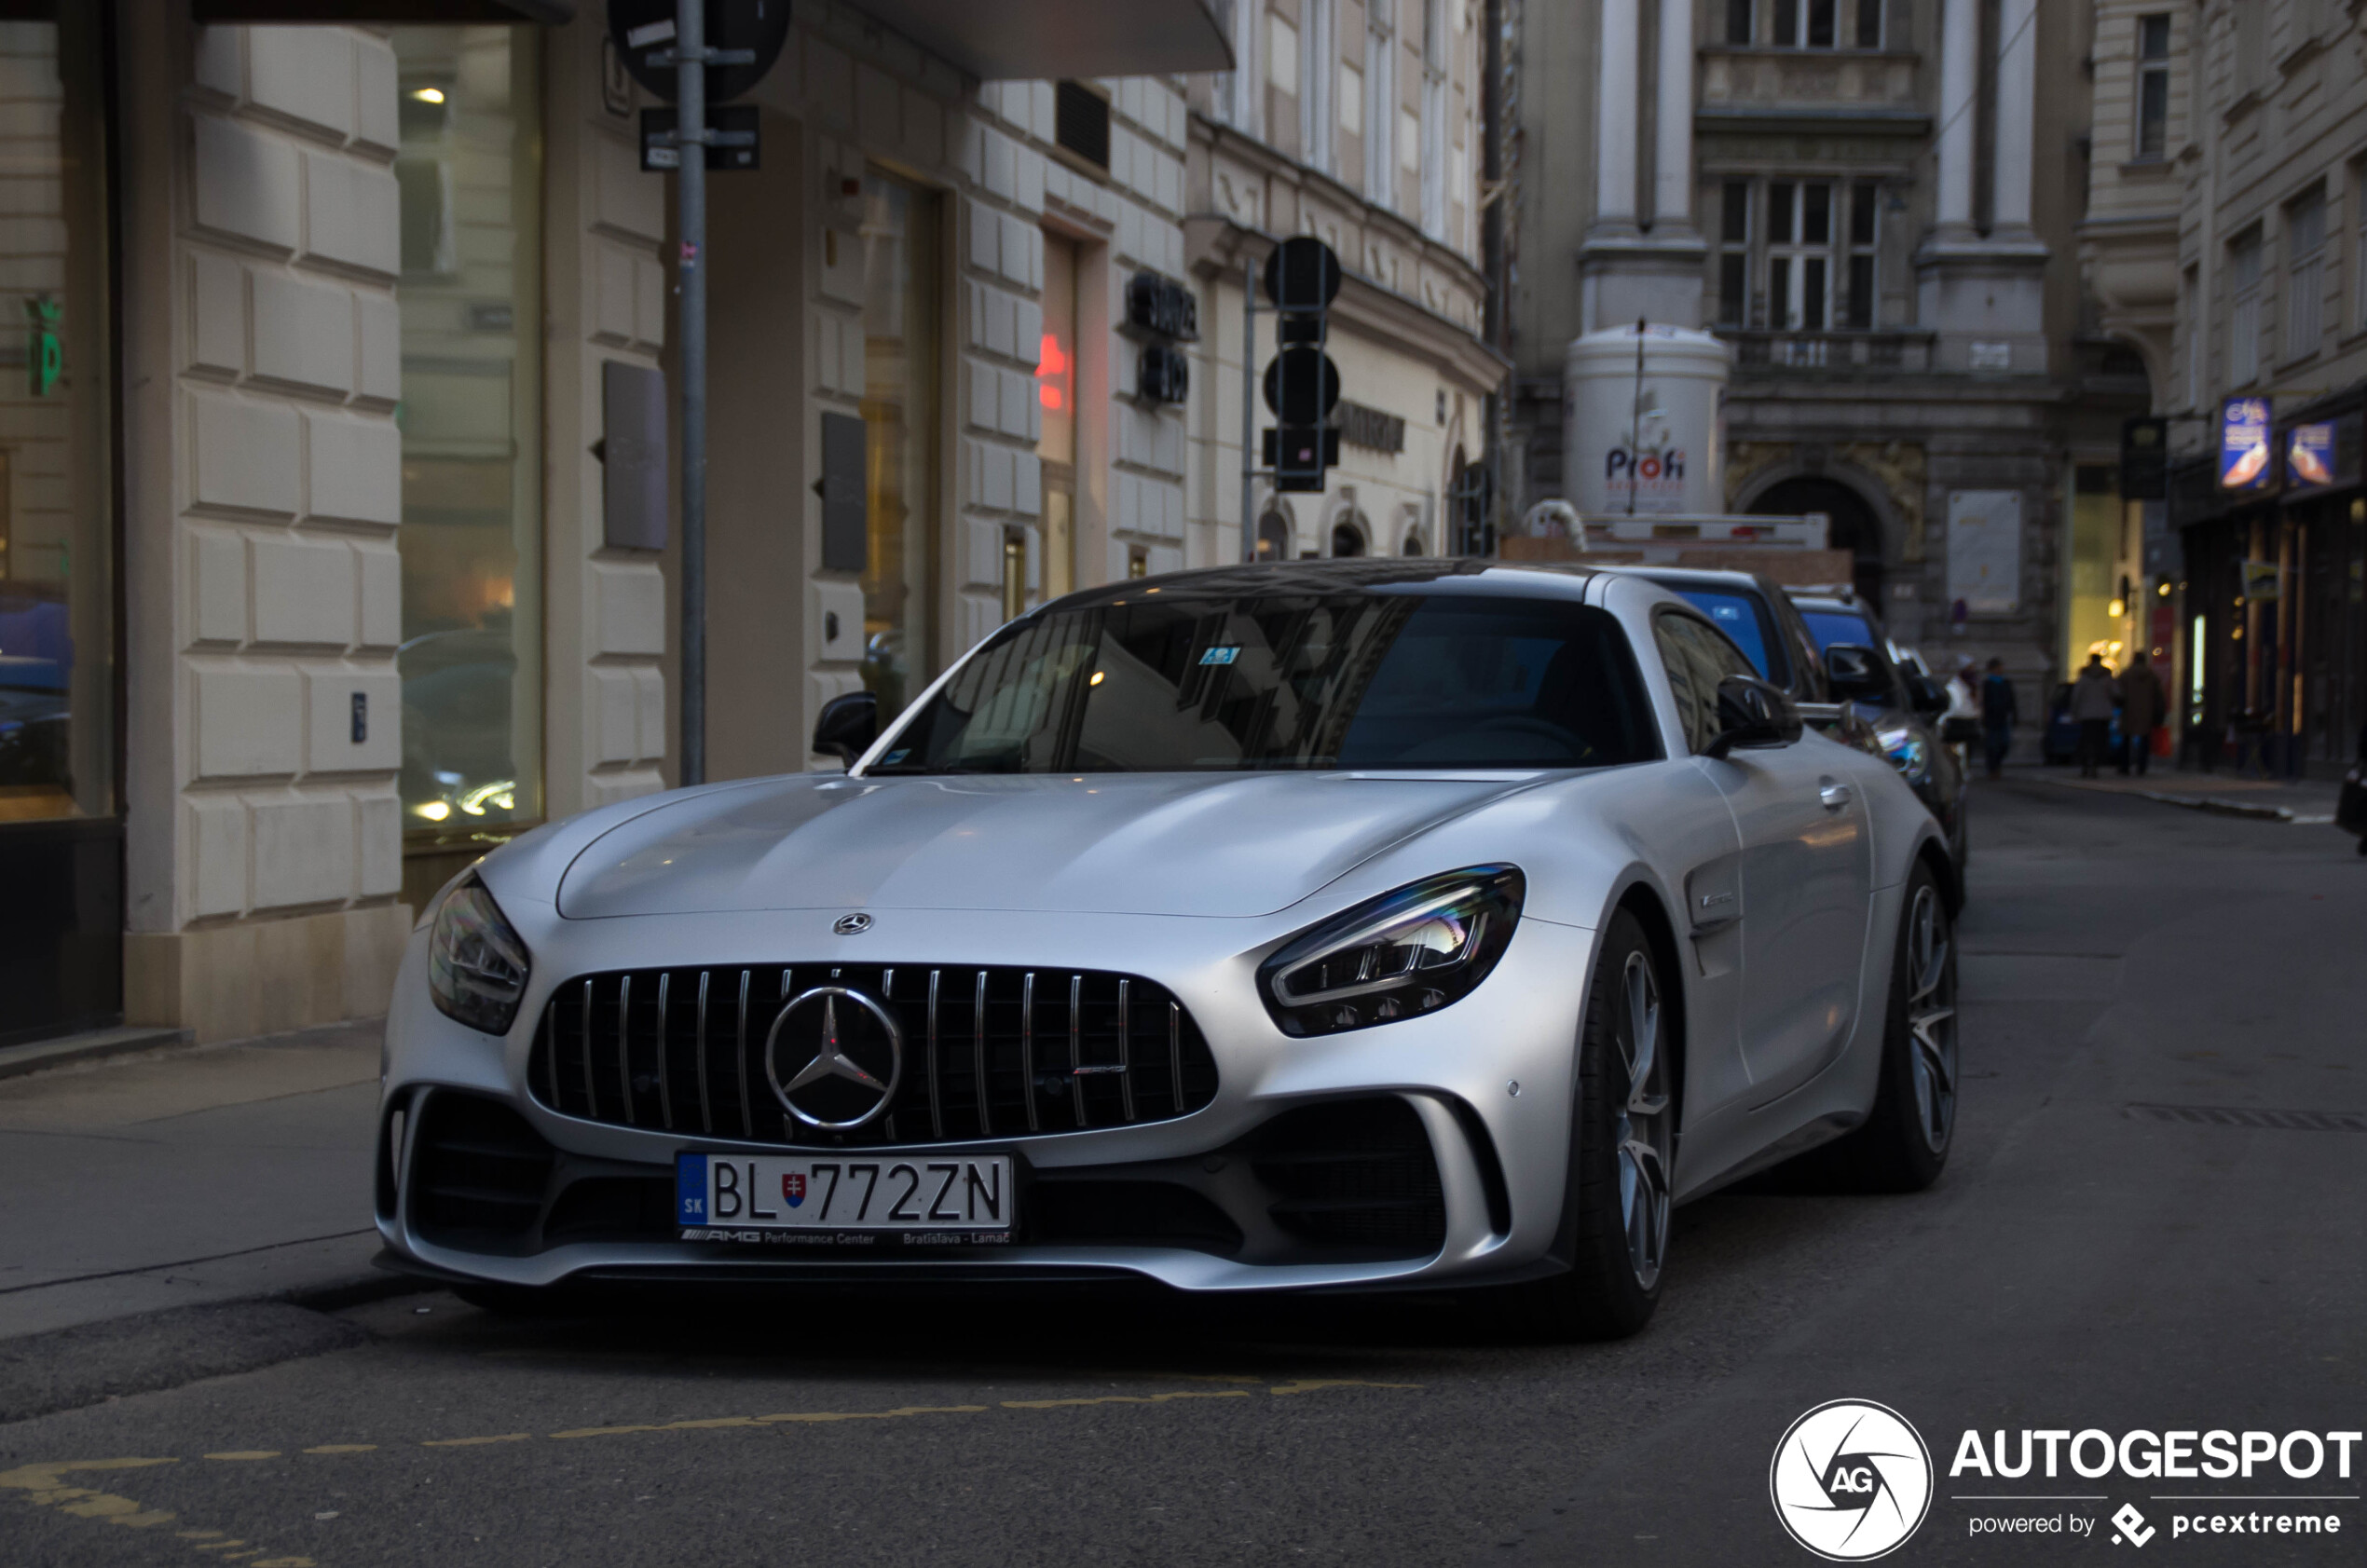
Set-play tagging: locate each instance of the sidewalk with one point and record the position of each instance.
(187, 1177)
(2304, 801)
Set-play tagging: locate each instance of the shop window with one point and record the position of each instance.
(901, 230)
(471, 418)
(2152, 86)
(57, 669)
(1348, 537)
(1056, 396)
(1274, 537)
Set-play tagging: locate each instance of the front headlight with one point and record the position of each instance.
(1908, 751)
(476, 964)
(1402, 954)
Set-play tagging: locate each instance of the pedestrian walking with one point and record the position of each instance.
(2143, 703)
(1961, 726)
(2093, 698)
(1998, 713)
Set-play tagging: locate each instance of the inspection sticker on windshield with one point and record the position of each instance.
(1220, 656)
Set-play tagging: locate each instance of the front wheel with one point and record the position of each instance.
(1903, 1144)
(1621, 1147)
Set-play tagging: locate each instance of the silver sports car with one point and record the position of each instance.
(1374, 925)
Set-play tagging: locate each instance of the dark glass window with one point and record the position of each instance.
(1743, 618)
(1816, 213)
(1820, 24)
(1861, 294)
(1738, 22)
(1862, 198)
(1869, 25)
(1287, 681)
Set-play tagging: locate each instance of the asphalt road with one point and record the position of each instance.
(2087, 1263)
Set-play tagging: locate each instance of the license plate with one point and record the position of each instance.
(836, 1198)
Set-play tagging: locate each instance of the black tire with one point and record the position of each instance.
(1903, 1145)
(1616, 1224)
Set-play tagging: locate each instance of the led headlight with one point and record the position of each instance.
(1907, 752)
(476, 964)
(1404, 953)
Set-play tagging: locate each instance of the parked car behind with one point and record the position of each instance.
(1858, 668)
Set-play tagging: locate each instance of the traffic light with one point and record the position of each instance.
(1301, 384)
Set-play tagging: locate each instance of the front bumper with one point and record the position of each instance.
(1472, 1168)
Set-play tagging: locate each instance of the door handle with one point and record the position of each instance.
(1835, 796)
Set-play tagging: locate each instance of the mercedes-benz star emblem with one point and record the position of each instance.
(852, 925)
(852, 1052)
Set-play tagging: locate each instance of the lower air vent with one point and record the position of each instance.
(613, 1209)
(478, 1174)
(1357, 1180)
(1126, 1214)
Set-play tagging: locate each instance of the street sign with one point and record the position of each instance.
(733, 145)
(752, 30)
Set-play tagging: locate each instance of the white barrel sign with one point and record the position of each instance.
(1649, 444)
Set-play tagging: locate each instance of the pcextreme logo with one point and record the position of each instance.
(1851, 1480)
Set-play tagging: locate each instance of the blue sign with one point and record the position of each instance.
(2244, 450)
(2309, 456)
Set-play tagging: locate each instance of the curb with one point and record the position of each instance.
(96, 1045)
(2216, 804)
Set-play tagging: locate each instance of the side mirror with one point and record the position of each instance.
(847, 727)
(1857, 674)
(1751, 714)
(1926, 695)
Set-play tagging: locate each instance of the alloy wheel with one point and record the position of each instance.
(1931, 1017)
(1642, 1126)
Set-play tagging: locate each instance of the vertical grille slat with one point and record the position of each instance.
(706, 1106)
(937, 1098)
(665, 1091)
(1118, 1068)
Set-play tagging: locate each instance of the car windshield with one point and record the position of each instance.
(1744, 619)
(1180, 684)
(1842, 626)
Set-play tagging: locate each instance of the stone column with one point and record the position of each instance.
(2017, 113)
(1959, 81)
(1615, 118)
(1673, 145)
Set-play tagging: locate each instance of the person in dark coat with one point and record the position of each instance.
(2143, 704)
(1998, 713)
(2094, 696)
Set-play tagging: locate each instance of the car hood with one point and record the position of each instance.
(1137, 844)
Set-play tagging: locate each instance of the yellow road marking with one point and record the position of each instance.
(1128, 1398)
(342, 1448)
(247, 1453)
(477, 1442)
(1309, 1385)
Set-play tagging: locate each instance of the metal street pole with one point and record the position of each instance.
(1248, 407)
(690, 48)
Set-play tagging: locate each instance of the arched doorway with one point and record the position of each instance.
(1854, 525)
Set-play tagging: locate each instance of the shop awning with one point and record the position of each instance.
(552, 11)
(999, 40)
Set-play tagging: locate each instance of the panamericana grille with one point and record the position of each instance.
(989, 1051)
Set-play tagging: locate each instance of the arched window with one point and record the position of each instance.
(1413, 545)
(1347, 538)
(1274, 537)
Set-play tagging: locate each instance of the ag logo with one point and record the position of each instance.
(1851, 1480)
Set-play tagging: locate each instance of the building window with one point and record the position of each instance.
(471, 179)
(2305, 274)
(1435, 158)
(2243, 319)
(902, 264)
(2152, 85)
(1734, 253)
(1865, 230)
(1274, 537)
(1738, 21)
(1816, 24)
(57, 555)
(2251, 46)
(1800, 254)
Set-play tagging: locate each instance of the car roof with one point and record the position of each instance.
(1696, 576)
(1459, 574)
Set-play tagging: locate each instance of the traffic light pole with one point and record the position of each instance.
(1249, 408)
(690, 54)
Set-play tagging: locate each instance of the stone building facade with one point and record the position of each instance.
(1875, 203)
(381, 285)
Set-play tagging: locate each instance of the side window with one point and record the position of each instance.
(1721, 652)
(1693, 673)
